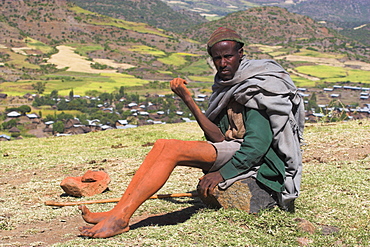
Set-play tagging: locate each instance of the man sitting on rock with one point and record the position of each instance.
(253, 126)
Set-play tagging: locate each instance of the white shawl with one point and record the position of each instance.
(265, 85)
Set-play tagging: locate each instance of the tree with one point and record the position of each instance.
(58, 127)
(62, 105)
(71, 94)
(122, 90)
(82, 118)
(312, 102)
(10, 124)
(24, 109)
(54, 94)
(49, 117)
(64, 116)
(105, 97)
(39, 87)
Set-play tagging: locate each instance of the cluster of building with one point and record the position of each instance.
(144, 114)
(149, 113)
(362, 110)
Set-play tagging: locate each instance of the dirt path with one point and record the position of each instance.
(66, 57)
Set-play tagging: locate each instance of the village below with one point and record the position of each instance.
(105, 114)
(120, 111)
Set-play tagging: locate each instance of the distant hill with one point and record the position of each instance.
(59, 22)
(153, 12)
(211, 9)
(266, 25)
(273, 25)
(343, 16)
(336, 11)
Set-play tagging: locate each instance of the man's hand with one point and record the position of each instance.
(211, 131)
(178, 87)
(208, 183)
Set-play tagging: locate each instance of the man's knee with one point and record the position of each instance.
(167, 143)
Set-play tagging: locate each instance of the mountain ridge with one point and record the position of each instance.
(340, 15)
(154, 53)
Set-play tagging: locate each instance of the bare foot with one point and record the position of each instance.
(92, 218)
(110, 226)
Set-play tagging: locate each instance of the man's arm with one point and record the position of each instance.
(257, 142)
(211, 131)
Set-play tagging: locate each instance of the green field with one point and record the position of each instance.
(353, 75)
(322, 71)
(64, 82)
(311, 53)
(83, 50)
(302, 82)
(18, 60)
(175, 59)
(35, 44)
(143, 49)
(202, 78)
(47, 110)
(197, 68)
(336, 74)
(108, 21)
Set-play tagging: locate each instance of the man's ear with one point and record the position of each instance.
(241, 52)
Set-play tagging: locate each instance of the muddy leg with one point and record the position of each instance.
(150, 177)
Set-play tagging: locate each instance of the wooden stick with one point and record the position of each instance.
(160, 196)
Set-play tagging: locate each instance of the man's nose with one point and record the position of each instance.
(223, 62)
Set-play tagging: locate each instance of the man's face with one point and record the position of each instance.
(226, 58)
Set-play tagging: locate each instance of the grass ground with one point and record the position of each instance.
(334, 196)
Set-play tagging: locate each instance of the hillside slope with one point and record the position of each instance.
(266, 25)
(275, 25)
(60, 22)
(154, 12)
(345, 14)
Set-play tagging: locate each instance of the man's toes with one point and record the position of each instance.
(87, 233)
(84, 209)
(84, 228)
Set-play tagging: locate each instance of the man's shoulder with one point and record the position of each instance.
(270, 62)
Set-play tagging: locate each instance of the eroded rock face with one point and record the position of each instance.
(247, 195)
(91, 183)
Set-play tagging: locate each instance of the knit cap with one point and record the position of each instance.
(222, 34)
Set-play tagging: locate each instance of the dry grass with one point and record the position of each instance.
(335, 192)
